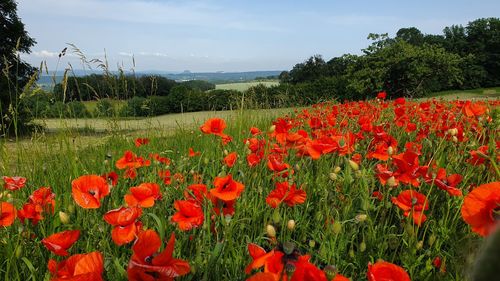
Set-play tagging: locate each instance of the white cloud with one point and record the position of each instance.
(44, 54)
(125, 54)
(153, 54)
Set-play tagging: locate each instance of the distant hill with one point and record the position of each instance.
(47, 81)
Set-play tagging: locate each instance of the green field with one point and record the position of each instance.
(481, 93)
(243, 86)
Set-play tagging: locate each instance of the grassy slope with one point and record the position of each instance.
(244, 85)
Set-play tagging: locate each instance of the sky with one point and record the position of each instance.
(225, 35)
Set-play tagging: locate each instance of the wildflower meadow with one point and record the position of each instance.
(367, 190)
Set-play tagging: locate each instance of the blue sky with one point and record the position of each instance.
(225, 35)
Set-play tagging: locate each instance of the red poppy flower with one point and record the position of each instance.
(13, 183)
(130, 173)
(478, 156)
(88, 190)
(192, 153)
(59, 243)
(196, 192)
(259, 257)
(141, 141)
(226, 207)
(125, 225)
(32, 212)
(131, 161)
(147, 264)
(230, 159)
(386, 271)
(80, 267)
(143, 195)
(160, 159)
(189, 214)
(264, 276)
(447, 183)
(165, 176)
(414, 202)
(214, 126)
(275, 163)
(481, 208)
(226, 189)
(254, 131)
(285, 193)
(253, 159)
(472, 109)
(45, 198)
(381, 95)
(305, 270)
(7, 214)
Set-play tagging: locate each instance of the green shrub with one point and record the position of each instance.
(104, 108)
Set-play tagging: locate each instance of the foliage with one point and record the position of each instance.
(15, 72)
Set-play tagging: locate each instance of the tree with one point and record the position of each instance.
(15, 72)
(410, 35)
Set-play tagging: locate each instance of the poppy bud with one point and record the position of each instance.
(272, 129)
(312, 243)
(437, 262)
(362, 246)
(361, 217)
(71, 208)
(288, 247)
(333, 176)
(330, 272)
(454, 139)
(358, 174)
(354, 165)
(290, 225)
(290, 268)
(390, 150)
(337, 169)
(297, 167)
(420, 245)
(391, 182)
(271, 231)
(351, 253)
(337, 227)
(64, 217)
(432, 239)
(276, 216)
(206, 161)
(19, 251)
(226, 152)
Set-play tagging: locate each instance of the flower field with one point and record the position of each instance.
(370, 190)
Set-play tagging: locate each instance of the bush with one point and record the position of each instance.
(76, 109)
(136, 107)
(104, 108)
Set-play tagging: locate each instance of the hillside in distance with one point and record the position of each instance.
(47, 81)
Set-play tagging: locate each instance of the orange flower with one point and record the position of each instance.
(141, 141)
(226, 189)
(189, 214)
(165, 176)
(88, 267)
(88, 191)
(125, 226)
(472, 109)
(59, 243)
(13, 183)
(414, 202)
(131, 161)
(196, 192)
(259, 257)
(111, 177)
(386, 271)
(31, 212)
(192, 153)
(143, 195)
(214, 126)
(480, 208)
(285, 193)
(7, 214)
(147, 264)
(230, 159)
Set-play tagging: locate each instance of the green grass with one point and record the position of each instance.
(243, 86)
(481, 93)
(117, 105)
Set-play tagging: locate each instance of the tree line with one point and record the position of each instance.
(411, 64)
